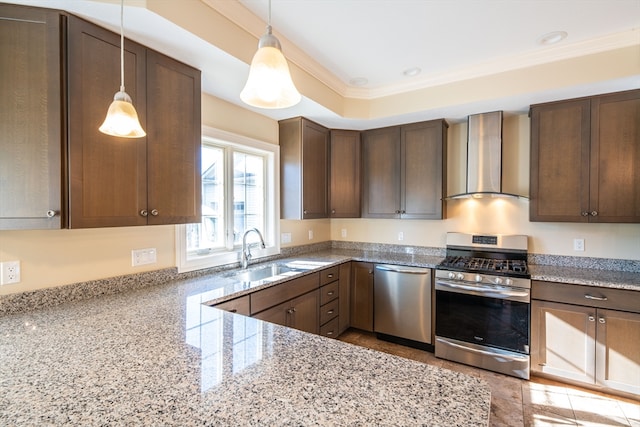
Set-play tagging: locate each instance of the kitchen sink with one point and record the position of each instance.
(262, 273)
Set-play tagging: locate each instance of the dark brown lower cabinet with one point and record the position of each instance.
(361, 296)
(299, 313)
(586, 335)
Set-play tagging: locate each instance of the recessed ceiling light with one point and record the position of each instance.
(552, 37)
(358, 81)
(410, 72)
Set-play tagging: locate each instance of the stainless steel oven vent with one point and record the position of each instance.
(484, 157)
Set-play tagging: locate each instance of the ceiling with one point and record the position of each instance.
(341, 41)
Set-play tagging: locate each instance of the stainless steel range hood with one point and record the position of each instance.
(484, 157)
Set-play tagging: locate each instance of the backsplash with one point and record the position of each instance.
(31, 300)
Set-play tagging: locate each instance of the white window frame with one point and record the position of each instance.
(272, 205)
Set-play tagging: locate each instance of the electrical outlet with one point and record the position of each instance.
(400, 235)
(343, 233)
(578, 245)
(310, 234)
(10, 272)
(285, 238)
(143, 256)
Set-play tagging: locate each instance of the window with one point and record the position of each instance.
(239, 192)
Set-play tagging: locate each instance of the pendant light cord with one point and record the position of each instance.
(122, 45)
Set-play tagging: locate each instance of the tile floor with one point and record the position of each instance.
(515, 402)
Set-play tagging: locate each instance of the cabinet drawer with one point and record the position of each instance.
(329, 311)
(591, 296)
(329, 275)
(236, 305)
(269, 297)
(330, 329)
(329, 292)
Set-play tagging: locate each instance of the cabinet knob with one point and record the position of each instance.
(233, 310)
(330, 312)
(602, 320)
(304, 211)
(594, 213)
(584, 213)
(592, 319)
(330, 275)
(154, 212)
(51, 213)
(144, 212)
(333, 211)
(291, 310)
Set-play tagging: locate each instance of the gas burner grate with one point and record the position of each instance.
(485, 264)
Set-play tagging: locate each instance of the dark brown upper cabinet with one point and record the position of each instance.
(344, 176)
(63, 171)
(585, 159)
(404, 171)
(138, 181)
(304, 169)
(31, 145)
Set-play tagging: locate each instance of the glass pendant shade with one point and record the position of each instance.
(122, 118)
(269, 84)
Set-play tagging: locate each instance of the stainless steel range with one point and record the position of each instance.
(483, 303)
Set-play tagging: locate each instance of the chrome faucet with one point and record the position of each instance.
(246, 249)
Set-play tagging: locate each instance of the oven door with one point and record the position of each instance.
(486, 315)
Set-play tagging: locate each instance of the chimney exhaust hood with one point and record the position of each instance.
(484, 157)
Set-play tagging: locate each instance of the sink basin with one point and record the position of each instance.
(265, 272)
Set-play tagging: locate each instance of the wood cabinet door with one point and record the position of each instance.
(277, 314)
(381, 173)
(422, 165)
(361, 296)
(344, 182)
(174, 141)
(304, 312)
(31, 167)
(615, 158)
(315, 170)
(560, 158)
(240, 305)
(107, 175)
(563, 340)
(618, 350)
(304, 169)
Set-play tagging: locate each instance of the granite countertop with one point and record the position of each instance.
(587, 276)
(158, 356)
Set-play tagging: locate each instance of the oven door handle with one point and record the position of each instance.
(498, 293)
(522, 358)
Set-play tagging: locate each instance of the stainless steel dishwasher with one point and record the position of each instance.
(402, 302)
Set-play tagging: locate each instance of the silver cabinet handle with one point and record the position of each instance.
(330, 276)
(330, 312)
(233, 310)
(291, 310)
(602, 320)
(304, 211)
(51, 213)
(584, 213)
(591, 318)
(144, 212)
(330, 293)
(594, 213)
(330, 333)
(154, 212)
(587, 296)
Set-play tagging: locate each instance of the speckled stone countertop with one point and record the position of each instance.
(158, 356)
(587, 276)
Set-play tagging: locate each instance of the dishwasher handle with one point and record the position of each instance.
(402, 269)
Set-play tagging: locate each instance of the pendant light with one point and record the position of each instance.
(122, 119)
(269, 84)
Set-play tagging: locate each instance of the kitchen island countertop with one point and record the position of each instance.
(158, 356)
